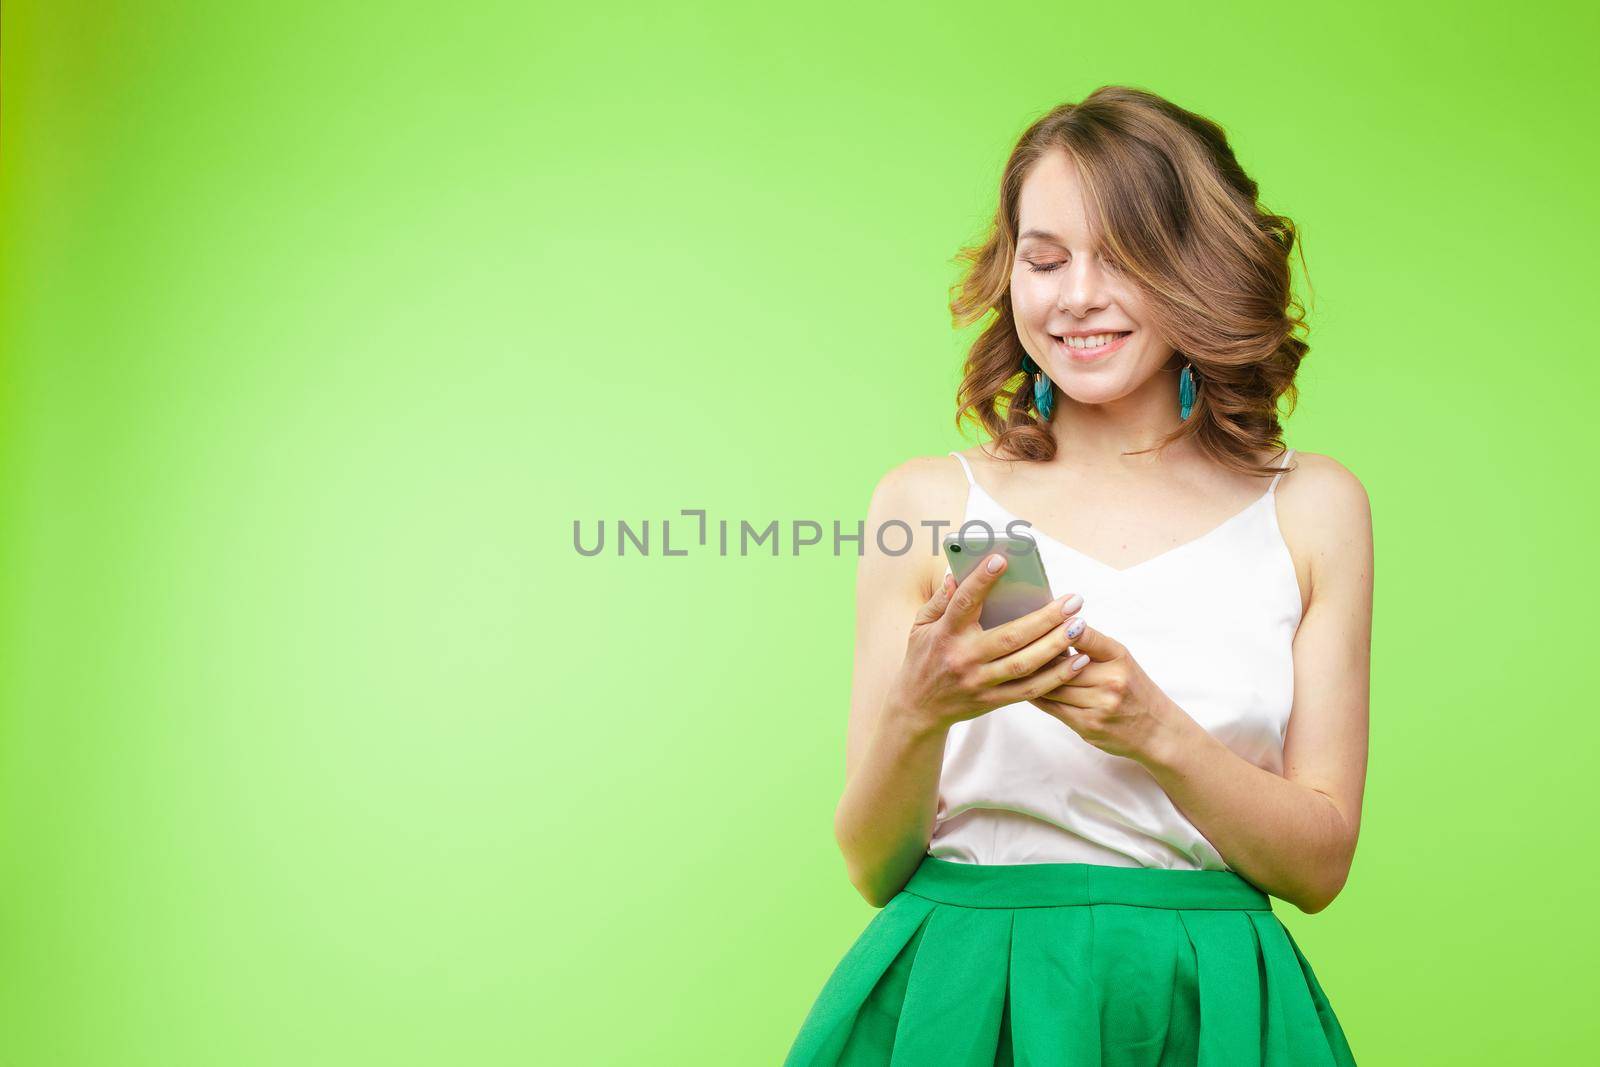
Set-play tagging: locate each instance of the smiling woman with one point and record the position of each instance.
(1152, 206)
(1075, 822)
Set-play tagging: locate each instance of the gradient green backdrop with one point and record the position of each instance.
(322, 323)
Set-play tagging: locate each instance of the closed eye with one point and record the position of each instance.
(1046, 268)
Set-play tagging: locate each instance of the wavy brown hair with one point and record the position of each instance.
(1176, 213)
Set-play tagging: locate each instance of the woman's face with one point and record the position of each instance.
(1061, 286)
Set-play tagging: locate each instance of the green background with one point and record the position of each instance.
(322, 323)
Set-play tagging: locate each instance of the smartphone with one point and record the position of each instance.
(1023, 586)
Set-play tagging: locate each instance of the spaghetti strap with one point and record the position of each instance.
(1274, 486)
(966, 467)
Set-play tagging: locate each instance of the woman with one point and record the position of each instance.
(1073, 822)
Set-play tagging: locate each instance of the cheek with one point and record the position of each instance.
(1132, 304)
(1028, 296)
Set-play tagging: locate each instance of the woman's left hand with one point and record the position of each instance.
(1111, 703)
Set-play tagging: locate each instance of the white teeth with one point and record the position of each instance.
(1099, 340)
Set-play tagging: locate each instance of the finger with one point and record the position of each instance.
(1075, 690)
(1018, 634)
(1052, 676)
(935, 607)
(967, 602)
(1100, 646)
(1021, 647)
(1067, 713)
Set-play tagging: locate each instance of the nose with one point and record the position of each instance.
(1082, 287)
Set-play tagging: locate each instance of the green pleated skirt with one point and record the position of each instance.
(1071, 965)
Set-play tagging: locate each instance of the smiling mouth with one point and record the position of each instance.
(1105, 347)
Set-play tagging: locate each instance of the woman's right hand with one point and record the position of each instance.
(955, 670)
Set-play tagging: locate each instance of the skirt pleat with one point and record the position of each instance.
(955, 1023)
(1325, 1016)
(858, 1011)
(1229, 987)
(1072, 965)
(1053, 998)
(1297, 1035)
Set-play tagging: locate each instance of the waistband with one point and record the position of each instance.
(1054, 885)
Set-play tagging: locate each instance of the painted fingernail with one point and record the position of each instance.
(995, 563)
(1078, 663)
(1075, 627)
(1071, 604)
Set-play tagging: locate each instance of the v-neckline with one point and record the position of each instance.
(1040, 535)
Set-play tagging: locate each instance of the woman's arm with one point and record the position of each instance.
(1295, 836)
(884, 820)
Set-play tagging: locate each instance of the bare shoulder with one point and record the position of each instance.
(922, 487)
(1326, 518)
(915, 492)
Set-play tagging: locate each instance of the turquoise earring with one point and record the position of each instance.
(1186, 391)
(1043, 393)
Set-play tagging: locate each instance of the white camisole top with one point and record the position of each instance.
(1211, 621)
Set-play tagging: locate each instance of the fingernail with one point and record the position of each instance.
(1075, 627)
(1078, 663)
(995, 563)
(1072, 603)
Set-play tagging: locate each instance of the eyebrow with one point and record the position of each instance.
(1047, 235)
